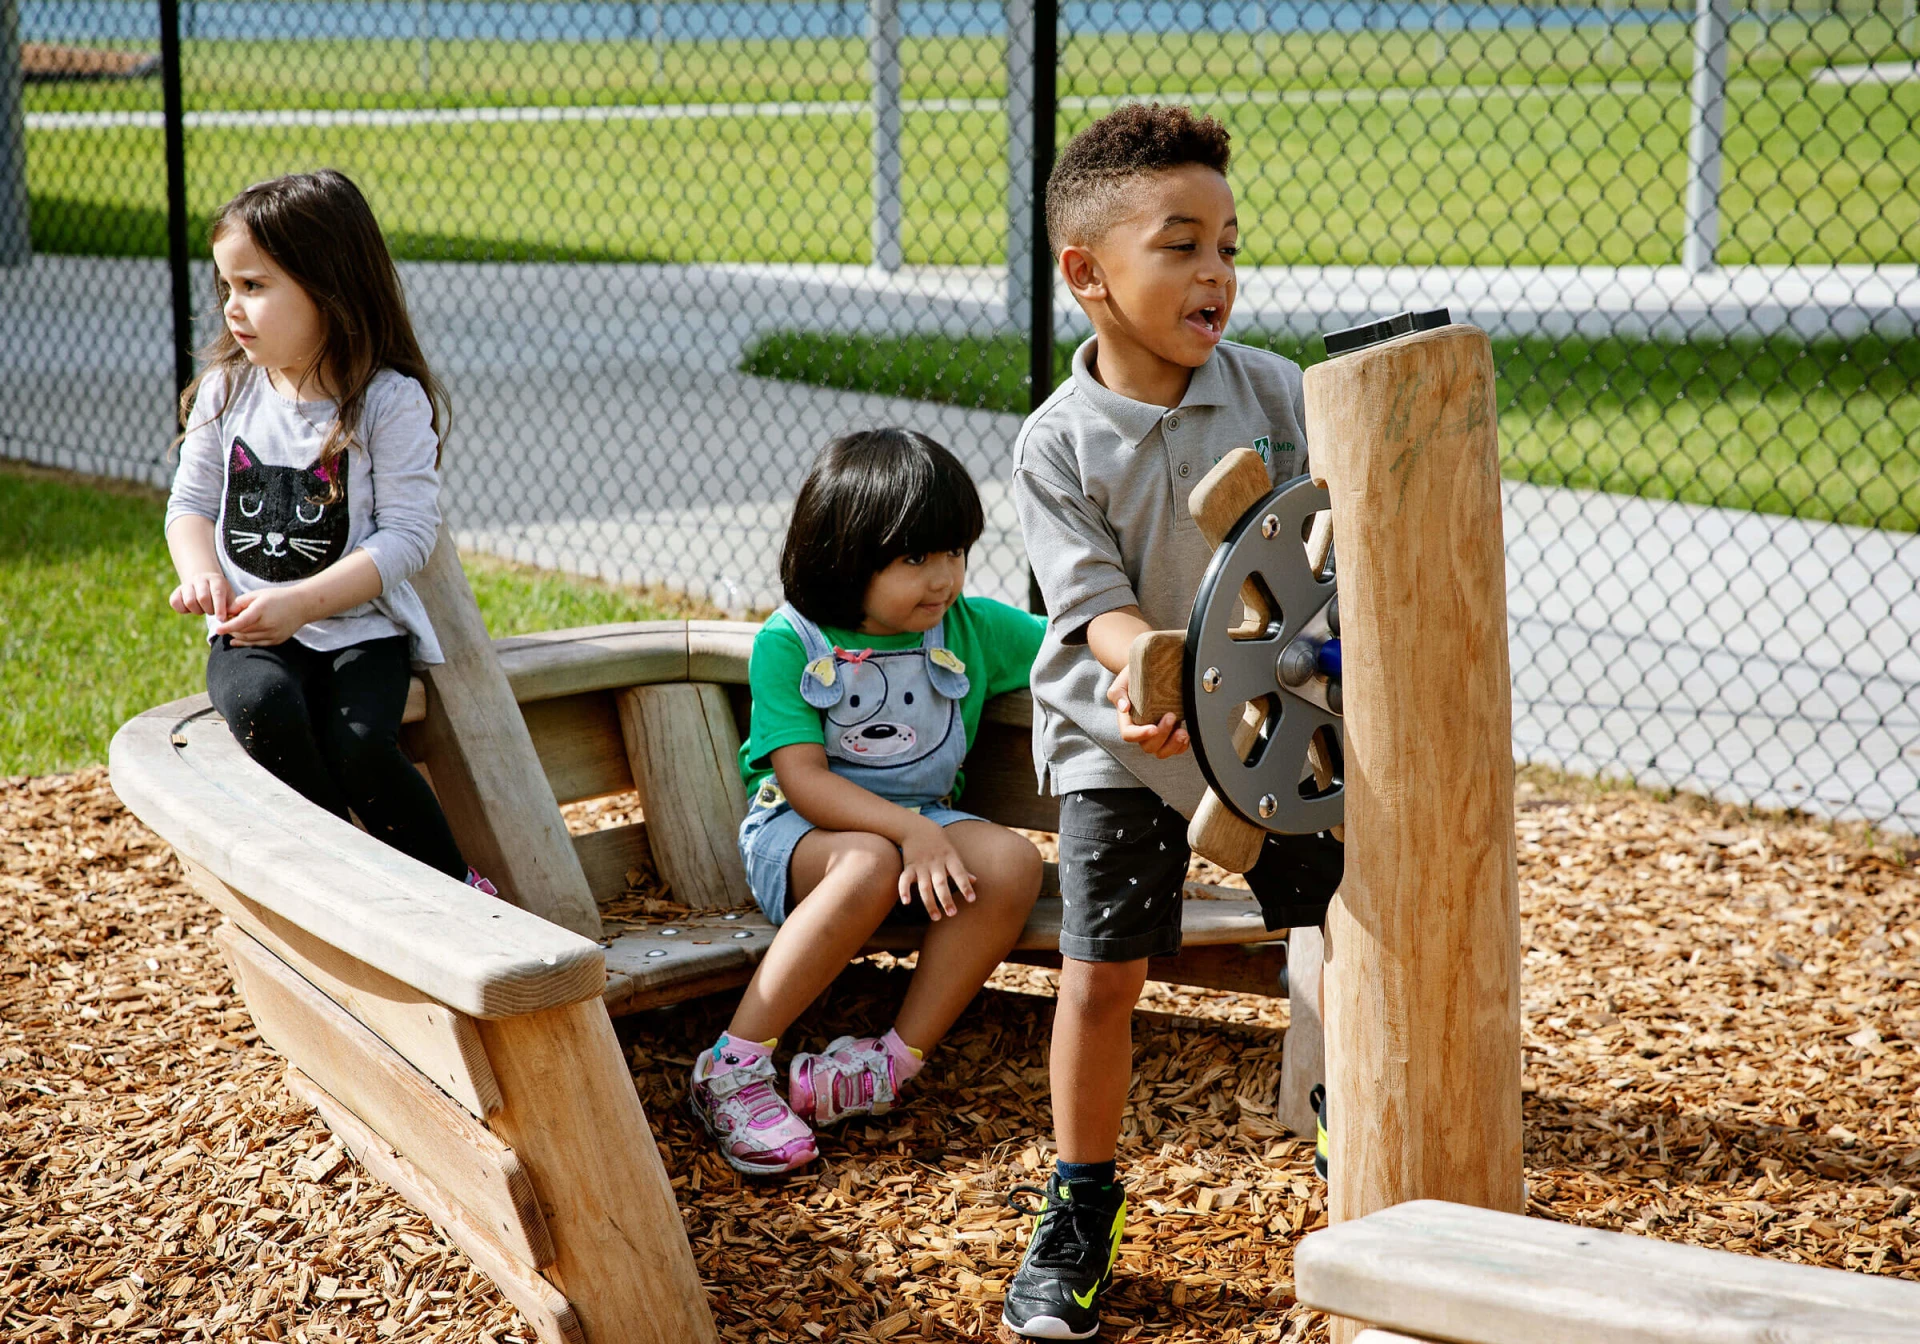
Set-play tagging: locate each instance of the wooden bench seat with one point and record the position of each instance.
(671, 960)
(1439, 1271)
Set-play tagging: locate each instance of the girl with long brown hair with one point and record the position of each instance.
(307, 497)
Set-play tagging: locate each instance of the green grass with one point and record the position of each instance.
(89, 640)
(1822, 431)
(1565, 174)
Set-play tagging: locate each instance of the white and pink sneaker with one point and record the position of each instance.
(734, 1098)
(852, 1076)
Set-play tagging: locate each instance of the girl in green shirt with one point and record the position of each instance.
(867, 690)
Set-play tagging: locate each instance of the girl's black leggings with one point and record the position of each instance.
(328, 725)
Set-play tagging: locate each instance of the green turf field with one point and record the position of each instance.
(1822, 431)
(1352, 148)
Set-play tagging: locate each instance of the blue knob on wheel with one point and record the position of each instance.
(1328, 660)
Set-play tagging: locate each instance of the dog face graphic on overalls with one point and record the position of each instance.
(888, 713)
(890, 717)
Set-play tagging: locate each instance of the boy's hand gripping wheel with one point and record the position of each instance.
(1256, 673)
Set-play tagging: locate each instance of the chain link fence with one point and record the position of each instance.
(662, 249)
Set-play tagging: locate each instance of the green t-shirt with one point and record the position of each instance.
(996, 642)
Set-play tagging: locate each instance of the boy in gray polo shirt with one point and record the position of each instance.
(1141, 219)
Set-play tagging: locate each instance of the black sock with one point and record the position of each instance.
(1103, 1172)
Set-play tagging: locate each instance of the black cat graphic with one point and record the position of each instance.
(278, 525)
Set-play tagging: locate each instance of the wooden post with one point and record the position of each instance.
(483, 764)
(1303, 1058)
(1423, 944)
(571, 1113)
(684, 752)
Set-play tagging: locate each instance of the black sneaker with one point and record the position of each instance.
(1321, 1148)
(1055, 1294)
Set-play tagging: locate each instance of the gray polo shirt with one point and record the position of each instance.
(1101, 485)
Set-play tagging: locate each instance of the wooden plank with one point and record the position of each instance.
(608, 856)
(577, 738)
(441, 1043)
(546, 1309)
(684, 753)
(1455, 1272)
(621, 1253)
(1249, 968)
(489, 780)
(551, 664)
(455, 1151)
(1000, 781)
(1386, 1337)
(1014, 709)
(719, 650)
(555, 663)
(1423, 1002)
(219, 809)
(670, 963)
(1218, 916)
(1303, 1060)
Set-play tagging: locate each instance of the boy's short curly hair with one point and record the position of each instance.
(1087, 187)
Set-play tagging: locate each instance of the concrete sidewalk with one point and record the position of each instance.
(602, 426)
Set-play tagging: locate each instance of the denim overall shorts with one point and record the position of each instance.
(892, 725)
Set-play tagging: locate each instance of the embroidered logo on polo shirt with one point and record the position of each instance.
(1262, 446)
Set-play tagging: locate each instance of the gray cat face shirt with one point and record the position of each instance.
(250, 464)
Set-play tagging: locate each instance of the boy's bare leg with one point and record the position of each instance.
(844, 884)
(1091, 1067)
(960, 951)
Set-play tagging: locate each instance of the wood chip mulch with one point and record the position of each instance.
(1721, 1017)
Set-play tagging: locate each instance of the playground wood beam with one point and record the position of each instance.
(1422, 952)
(483, 764)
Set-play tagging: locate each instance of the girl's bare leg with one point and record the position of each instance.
(842, 885)
(960, 951)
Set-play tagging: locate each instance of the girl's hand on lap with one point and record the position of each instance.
(265, 617)
(930, 865)
(202, 595)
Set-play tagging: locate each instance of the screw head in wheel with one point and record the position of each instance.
(1210, 680)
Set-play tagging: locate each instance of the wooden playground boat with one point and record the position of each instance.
(461, 1045)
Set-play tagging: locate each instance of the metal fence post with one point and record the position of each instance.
(883, 59)
(175, 150)
(1021, 30)
(1037, 260)
(1039, 256)
(1704, 140)
(16, 243)
(423, 31)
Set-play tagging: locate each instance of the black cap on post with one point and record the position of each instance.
(1372, 333)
